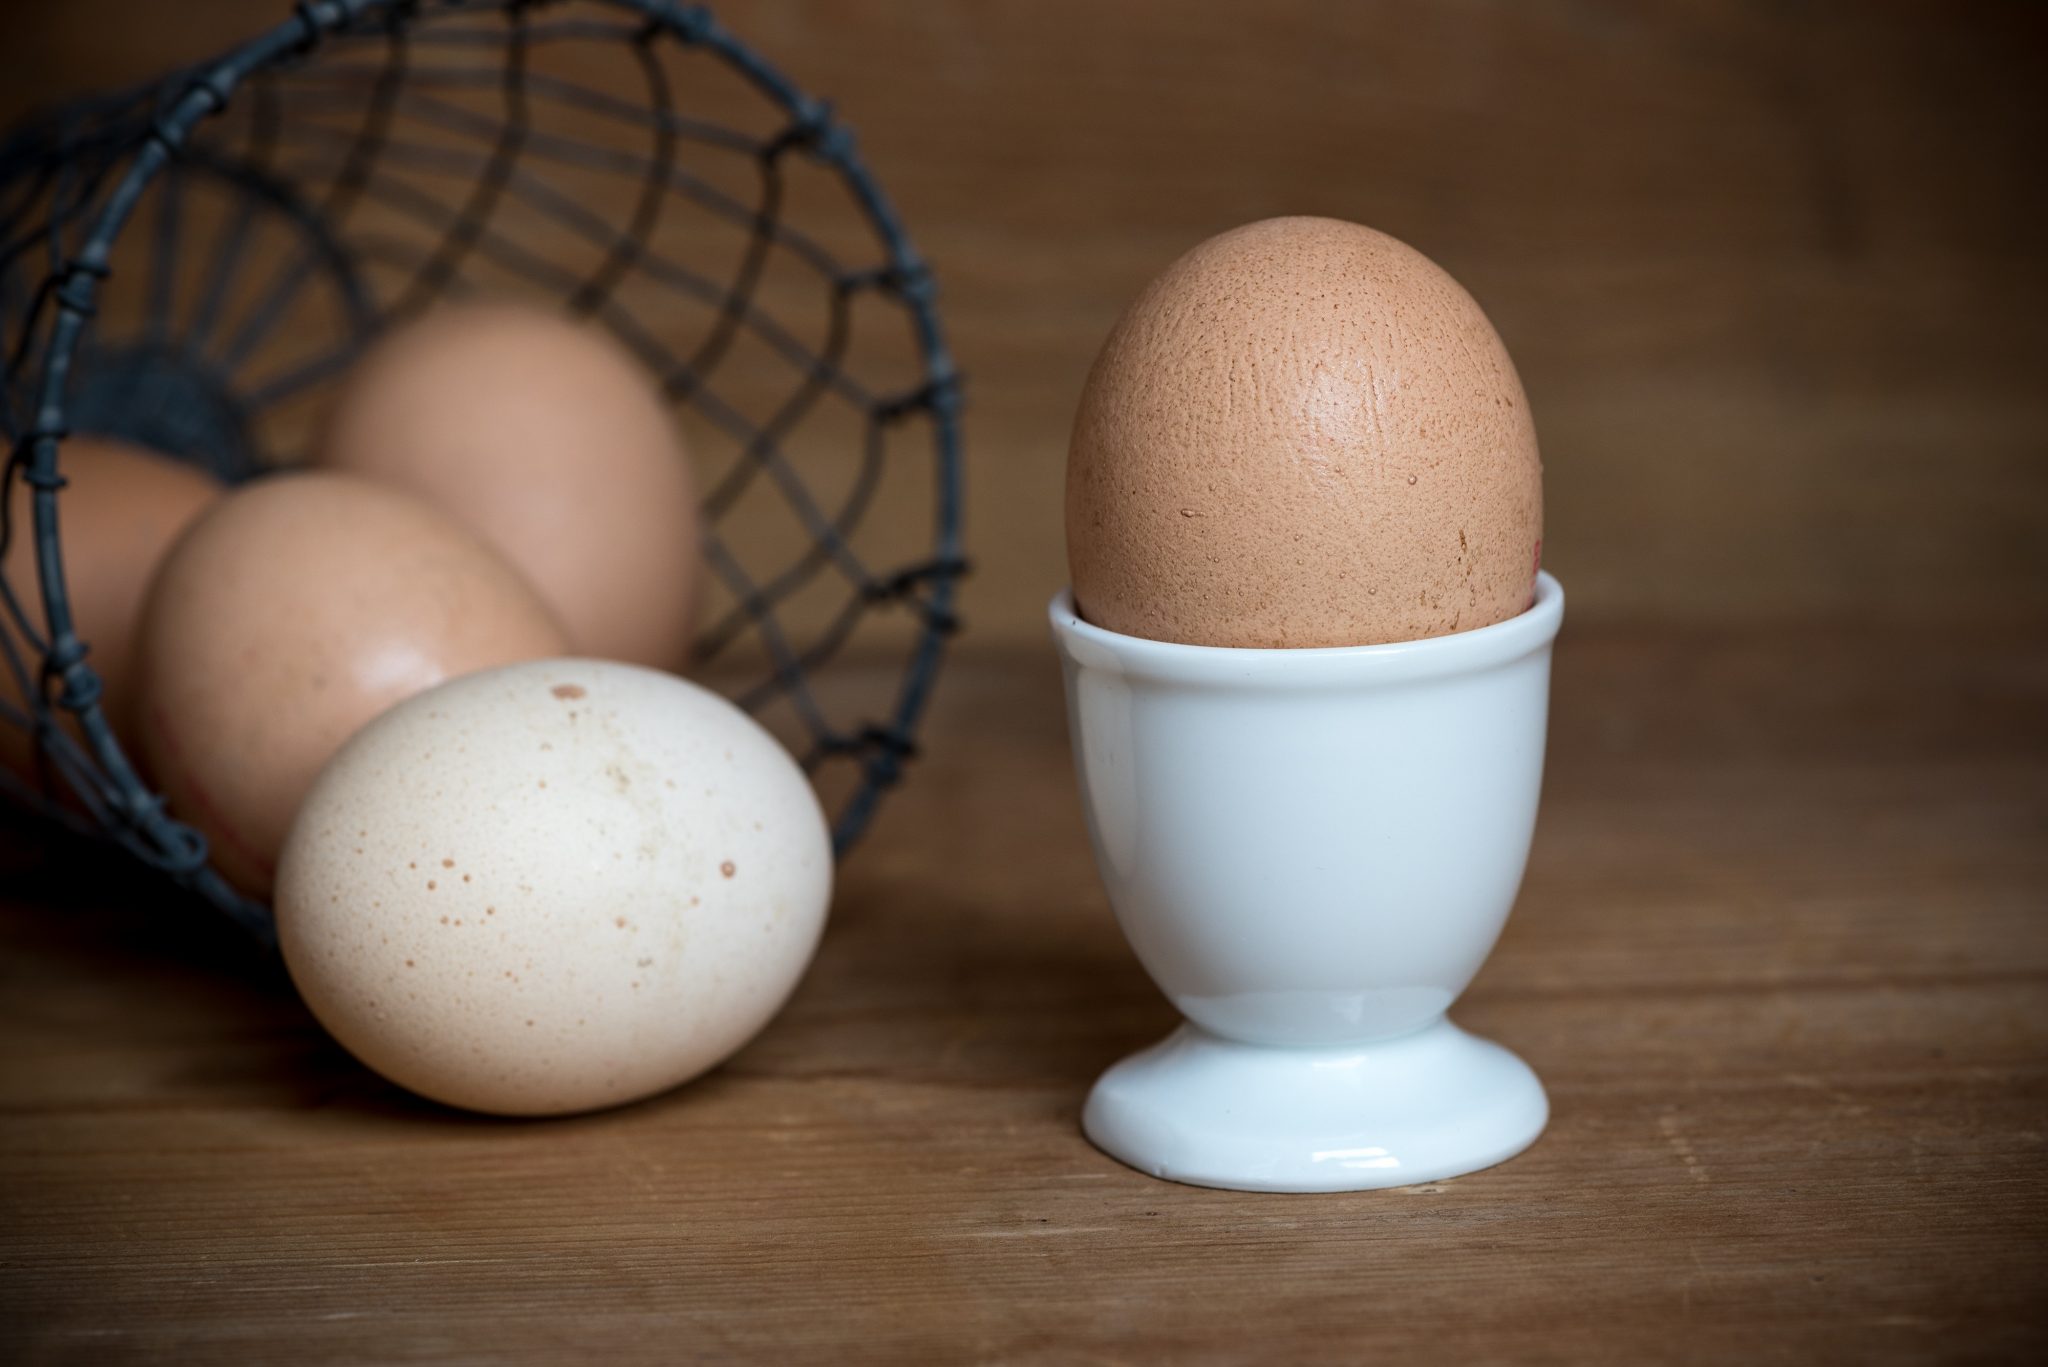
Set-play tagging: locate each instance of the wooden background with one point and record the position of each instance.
(1774, 275)
(1772, 272)
(1779, 960)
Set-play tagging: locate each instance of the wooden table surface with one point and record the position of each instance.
(1780, 958)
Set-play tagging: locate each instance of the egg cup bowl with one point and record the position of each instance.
(1312, 852)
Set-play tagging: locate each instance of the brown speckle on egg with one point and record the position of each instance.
(568, 690)
(300, 583)
(697, 984)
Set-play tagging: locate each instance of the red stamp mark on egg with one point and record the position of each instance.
(567, 690)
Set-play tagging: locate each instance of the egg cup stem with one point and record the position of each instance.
(1312, 852)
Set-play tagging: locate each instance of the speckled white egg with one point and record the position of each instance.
(553, 886)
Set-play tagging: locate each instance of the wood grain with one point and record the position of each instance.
(1781, 958)
(1772, 273)
(1773, 278)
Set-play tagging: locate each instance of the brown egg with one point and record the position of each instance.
(543, 435)
(296, 610)
(1304, 433)
(120, 510)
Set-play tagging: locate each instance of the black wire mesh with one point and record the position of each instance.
(190, 265)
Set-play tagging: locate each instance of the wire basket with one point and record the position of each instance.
(193, 264)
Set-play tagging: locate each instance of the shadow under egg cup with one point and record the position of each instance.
(1312, 852)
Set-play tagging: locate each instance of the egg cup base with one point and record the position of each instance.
(1207, 1111)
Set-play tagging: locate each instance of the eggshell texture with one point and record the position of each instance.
(553, 887)
(294, 611)
(120, 510)
(543, 435)
(1304, 433)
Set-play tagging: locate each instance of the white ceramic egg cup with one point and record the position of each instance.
(1312, 852)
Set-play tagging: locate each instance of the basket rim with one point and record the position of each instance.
(196, 92)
